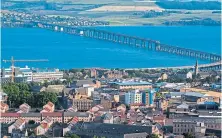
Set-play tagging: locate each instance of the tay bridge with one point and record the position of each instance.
(137, 42)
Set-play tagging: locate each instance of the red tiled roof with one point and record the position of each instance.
(52, 114)
(24, 105)
(158, 117)
(19, 122)
(10, 114)
(47, 109)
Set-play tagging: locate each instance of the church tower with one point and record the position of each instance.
(196, 68)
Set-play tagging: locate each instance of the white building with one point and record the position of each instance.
(19, 72)
(33, 75)
(89, 90)
(47, 75)
(27, 72)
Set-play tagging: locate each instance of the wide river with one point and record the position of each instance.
(67, 51)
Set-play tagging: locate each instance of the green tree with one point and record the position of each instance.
(159, 95)
(188, 135)
(45, 97)
(152, 136)
(25, 97)
(12, 90)
(20, 93)
(68, 135)
(31, 122)
(23, 86)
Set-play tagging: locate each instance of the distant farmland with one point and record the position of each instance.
(126, 8)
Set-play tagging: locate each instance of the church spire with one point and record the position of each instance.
(196, 68)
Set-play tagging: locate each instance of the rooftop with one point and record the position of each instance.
(52, 114)
(111, 129)
(80, 83)
(131, 83)
(197, 119)
(196, 94)
(78, 114)
(30, 114)
(10, 115)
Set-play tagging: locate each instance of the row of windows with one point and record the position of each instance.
(183, 125)
(192, 125)
(183, 130)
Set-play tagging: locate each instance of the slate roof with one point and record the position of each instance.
(78, 114)
(30, 114)
(36, 88)
(110, 129)
(81, 91)
(197, 119)
(52, 114)
(195, 94)
(176, 94)
(183, 106)
(131, 83)
(80, 83)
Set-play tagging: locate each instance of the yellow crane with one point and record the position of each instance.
(13, 63)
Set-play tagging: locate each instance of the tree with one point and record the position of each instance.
(69, 81)
(12, 90)
(19, 93)
(45, 83)
(25, 97)
(44, 97)
(152, 136)
(31, 122)
(159, 95)
(71, 135)
(188, 135)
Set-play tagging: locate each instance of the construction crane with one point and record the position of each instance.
(13, 63)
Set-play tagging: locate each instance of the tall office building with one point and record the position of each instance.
(148, 97)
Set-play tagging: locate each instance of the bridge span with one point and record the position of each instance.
(131, 40)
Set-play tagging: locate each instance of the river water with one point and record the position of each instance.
(67, 51)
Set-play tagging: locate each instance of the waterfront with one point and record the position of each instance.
(67, 51)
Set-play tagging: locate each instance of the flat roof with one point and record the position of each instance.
(208, 92)
(132, 83)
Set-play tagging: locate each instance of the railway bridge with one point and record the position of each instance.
(131, 40)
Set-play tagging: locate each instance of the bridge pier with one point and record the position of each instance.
(157, 46)
(150, 45)
(143, 43)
